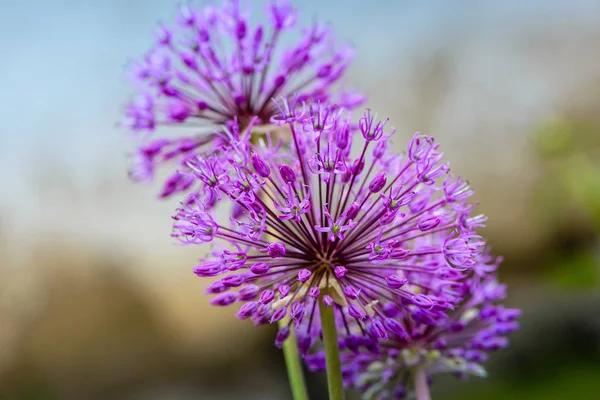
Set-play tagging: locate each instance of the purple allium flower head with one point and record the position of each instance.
(215, 68)
(381, 366)
(305, 232)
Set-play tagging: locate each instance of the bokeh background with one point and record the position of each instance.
(96, 301)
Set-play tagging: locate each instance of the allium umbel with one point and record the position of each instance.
(384, 368)
(338, 217)
(214, 68)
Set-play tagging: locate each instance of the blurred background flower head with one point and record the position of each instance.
(212, 70)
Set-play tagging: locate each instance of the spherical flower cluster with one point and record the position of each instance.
(338, 218)
(384, 368)
(217, 68)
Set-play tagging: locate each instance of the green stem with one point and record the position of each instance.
(291, 354)
(421, 386)
(332, 352)
(293, 363)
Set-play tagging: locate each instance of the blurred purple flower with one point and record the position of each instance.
(381, 366)
(215, 68)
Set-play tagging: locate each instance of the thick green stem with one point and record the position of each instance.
(293, 364)
(421, 386)
(332, 352)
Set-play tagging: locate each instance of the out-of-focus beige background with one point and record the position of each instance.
(97, 302)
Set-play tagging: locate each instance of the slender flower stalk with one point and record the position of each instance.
(421, 386)
(215, 68)
(332, 353)
(293, 365)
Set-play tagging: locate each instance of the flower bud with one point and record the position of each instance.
(340, 271)
(378, 183)
(380, 149)
(351, 292)
(248, 292)
(275, 250)
(428, 223)
(216, 287)
(259, 268)
(297, 311)
(208, 269)
(284, 290)
(356, 312)
(278, 314)
(233, 280)
(260, 166)
(282, 335)
(287, 173)
(304, 275)
(395, 282)
(377, 330)
(266, 296)
(247, 310)
(395, 327)
(224, 299)
(352, 211)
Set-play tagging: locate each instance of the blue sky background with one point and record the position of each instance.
(62, 157)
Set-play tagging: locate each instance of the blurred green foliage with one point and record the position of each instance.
(577, 269)
(579, 381)
(568, 196)
(570, 150)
